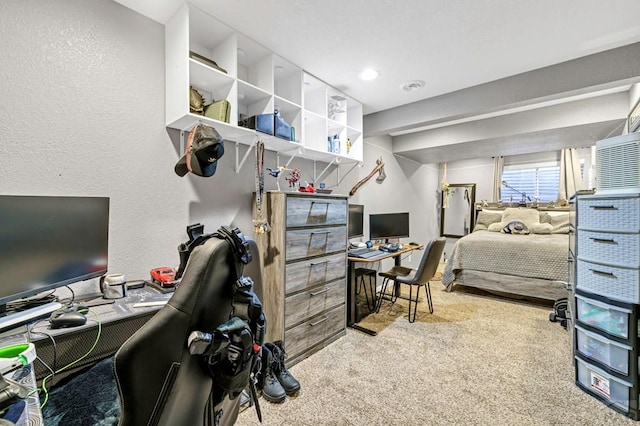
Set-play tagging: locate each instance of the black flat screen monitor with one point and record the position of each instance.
(356, 221)
(49, 241)
(388, 225)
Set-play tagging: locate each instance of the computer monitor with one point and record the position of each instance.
(388, 225)
(356, 221)
(50, 241)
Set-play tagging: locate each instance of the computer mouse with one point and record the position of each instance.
(64, 319)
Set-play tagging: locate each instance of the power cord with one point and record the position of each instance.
(66, 367)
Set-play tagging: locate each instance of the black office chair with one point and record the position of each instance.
(159, 381)
(414, 277)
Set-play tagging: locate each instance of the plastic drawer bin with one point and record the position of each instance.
(612, 354)
(614, 391)
(613, 282)
(613, 320)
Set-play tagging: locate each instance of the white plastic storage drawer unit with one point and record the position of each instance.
(615, 392)
(614, 355)
(614, 282)
(612, 319)
(617, 214)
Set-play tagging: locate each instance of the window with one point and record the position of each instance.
(538, 181)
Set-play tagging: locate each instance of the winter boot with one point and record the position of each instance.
(272, 390)
(289, 383)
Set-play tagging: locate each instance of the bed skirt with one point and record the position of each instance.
(510, 285)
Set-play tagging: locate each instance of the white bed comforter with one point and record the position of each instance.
(541, 256)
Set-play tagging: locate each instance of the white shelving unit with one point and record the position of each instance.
(255, 81)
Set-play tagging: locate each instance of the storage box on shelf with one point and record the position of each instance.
(607, 282)
(223, 65)
(305, 270)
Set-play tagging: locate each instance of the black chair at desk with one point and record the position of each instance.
(419, 277)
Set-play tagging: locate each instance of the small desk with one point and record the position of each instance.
(352, 305)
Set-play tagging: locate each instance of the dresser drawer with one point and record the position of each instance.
(315, 330)
(611, 319)
(614, 355)
(302, 306)
(303, 211)
(609, 281)
(609, 247)
(302, 243)
(309, 273)
(597, 382)
(609, 214)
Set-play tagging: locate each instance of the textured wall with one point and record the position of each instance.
(82, 111)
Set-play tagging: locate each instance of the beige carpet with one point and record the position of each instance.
(477, 360)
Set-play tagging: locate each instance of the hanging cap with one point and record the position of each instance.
(205, 146)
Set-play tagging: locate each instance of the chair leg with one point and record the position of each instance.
(429, 300)
(415, 303)
(383, 290)
(370, 306)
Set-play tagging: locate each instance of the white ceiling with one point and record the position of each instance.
(451, 45)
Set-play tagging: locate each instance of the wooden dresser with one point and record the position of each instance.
(305, 270)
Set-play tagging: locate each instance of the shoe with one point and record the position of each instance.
(289, 383)
(272, 390)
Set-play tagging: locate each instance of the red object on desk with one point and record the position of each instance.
(165, 276)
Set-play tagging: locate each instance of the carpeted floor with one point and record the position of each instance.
(477, 360)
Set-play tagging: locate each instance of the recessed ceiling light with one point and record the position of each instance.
(413, 85)
(368, 74)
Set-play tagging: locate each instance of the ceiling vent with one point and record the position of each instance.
(618, 164)
(413, 85)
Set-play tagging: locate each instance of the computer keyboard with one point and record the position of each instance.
(365, 253)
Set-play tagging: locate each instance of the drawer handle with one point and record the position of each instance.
(603, 240)
(312, 324)
(604, 207)
(319, 202)
(320, 232)
(326, 289)
(606, 274)
(311, 265)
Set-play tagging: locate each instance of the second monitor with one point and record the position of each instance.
(388, 225)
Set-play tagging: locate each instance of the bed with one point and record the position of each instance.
(519, 252)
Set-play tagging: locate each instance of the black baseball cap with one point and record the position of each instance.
(205, 146)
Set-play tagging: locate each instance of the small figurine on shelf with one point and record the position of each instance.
(293, 177)
(307, 188)
(348, 145)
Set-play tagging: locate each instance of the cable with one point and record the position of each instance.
(53, 343)
(66, 367)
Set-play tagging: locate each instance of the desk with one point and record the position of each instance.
(352, 305)
(119, 321)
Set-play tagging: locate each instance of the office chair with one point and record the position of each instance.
(159, 381)
(414, 277)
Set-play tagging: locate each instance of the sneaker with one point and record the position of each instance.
(271, 388)
(289, 383)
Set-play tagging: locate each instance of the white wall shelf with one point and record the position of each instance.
(255, 81)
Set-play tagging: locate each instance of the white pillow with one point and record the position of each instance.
(524, 215)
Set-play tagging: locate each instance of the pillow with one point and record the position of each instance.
(541, 228)
(515, 227)
(560, 223)
(524, 215)
(496, 227)
(545, 217)
(486, 218)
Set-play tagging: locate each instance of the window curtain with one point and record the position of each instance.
(498, 167)
(570, 176)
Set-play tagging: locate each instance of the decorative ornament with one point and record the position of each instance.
(260, 223)
(379, 168)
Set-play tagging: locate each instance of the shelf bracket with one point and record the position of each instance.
(348, 171)
(317, 178)
(246, 155)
